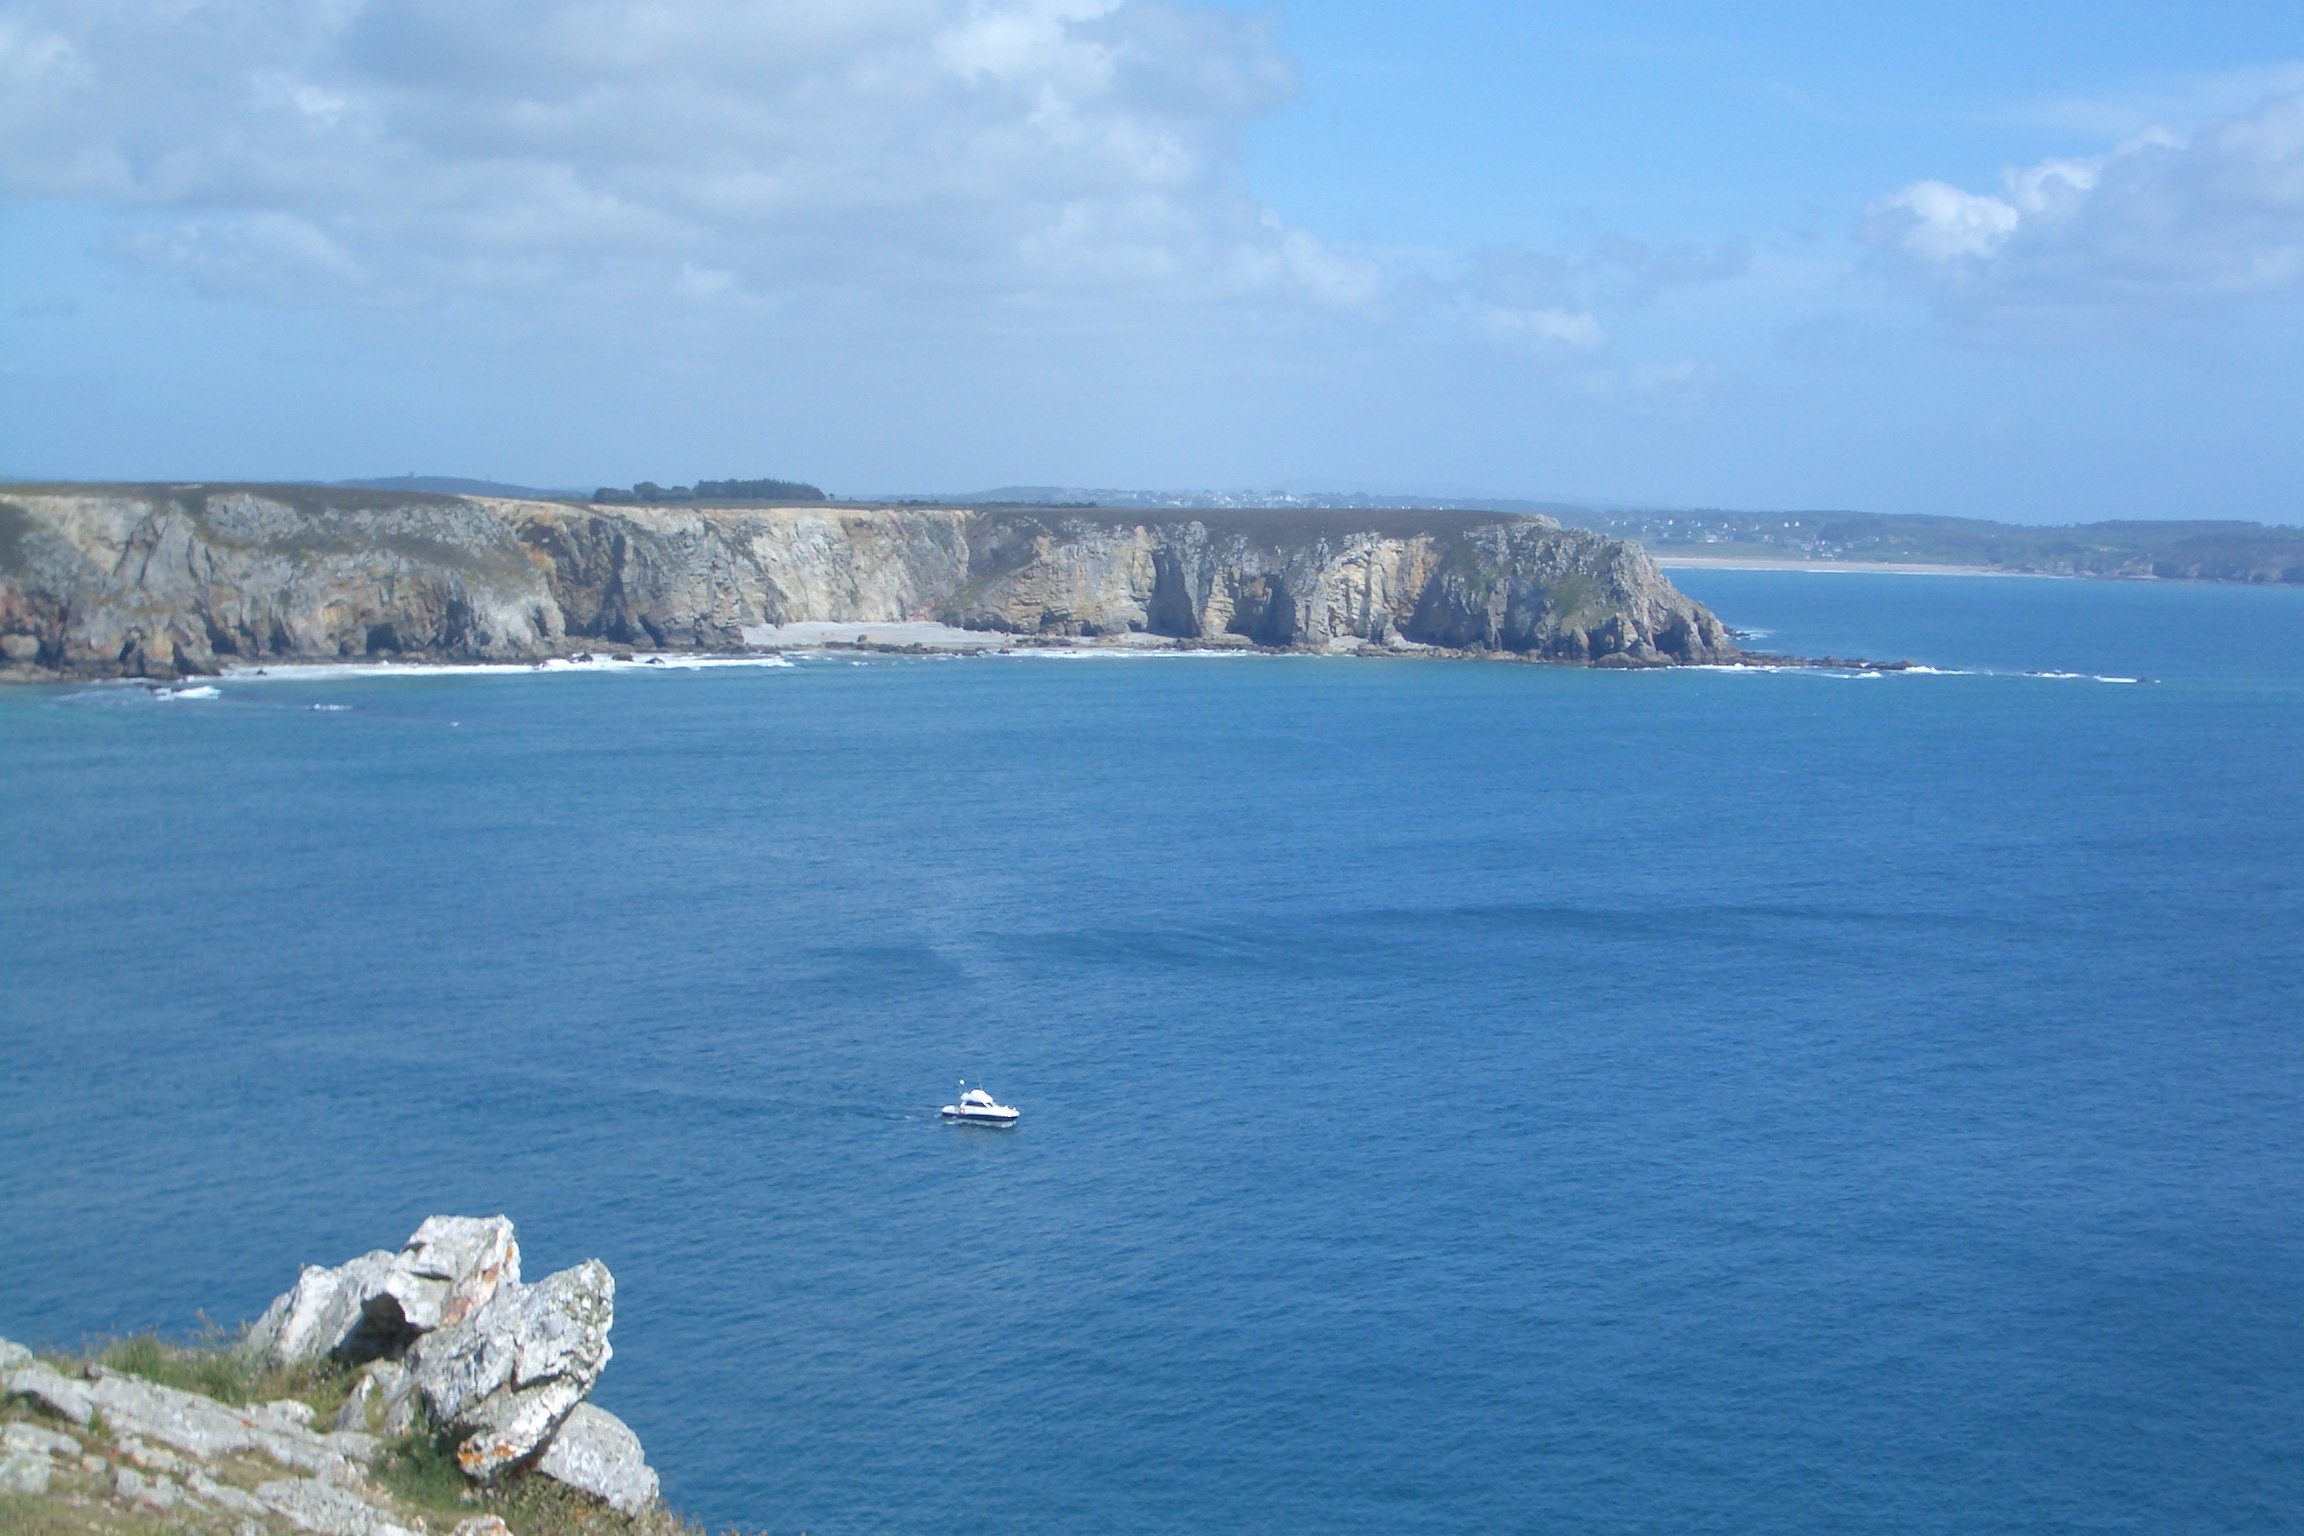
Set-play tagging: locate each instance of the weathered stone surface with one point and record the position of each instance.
(13, 1354)
(504, 1379)
(62, 1395)
(322, 1313)
(381, 1402)
(596, 1453)
(288, 1413)
(37, 1438)
(151, 1492)
(23, 1472)
(223, 1495)
(189, 1422)
(449, 1268)
(163, 581)
(149, 1457)
(327, 1510)
(482, 1525)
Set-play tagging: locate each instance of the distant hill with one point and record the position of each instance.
(649, 493)
(2174, 549)
(2171, 550)
(452, 485)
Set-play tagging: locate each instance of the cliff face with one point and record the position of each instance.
(164, 581)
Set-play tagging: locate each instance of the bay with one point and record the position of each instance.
(1456, 1096)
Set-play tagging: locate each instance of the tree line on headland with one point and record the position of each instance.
(649, 493)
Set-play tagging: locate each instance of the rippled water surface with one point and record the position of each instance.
(1457, 1097)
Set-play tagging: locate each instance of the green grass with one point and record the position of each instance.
(212, 1367)
(420, 1471)
(417, 1471)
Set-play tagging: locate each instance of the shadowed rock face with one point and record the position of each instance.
(162, 581)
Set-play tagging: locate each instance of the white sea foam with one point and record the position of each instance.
(2081, 677)
(1133, 653)
(338, 671)
(200, 691)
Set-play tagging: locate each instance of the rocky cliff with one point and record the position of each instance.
(161, 581)
(402, 1393)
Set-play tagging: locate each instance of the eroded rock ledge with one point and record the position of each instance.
(166, 581)
(438, 1348)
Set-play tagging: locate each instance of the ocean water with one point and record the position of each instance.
(1456, 1097)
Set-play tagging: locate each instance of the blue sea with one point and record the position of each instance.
(1457, 1097)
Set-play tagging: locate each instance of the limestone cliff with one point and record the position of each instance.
(171, 580)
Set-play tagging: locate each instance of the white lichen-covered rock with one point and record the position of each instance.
(322, 1314)
(13, 1354)
(36, 1439)
(447, 1270)
(504, 1379)
(23, 1472)
(596, 1453)
(135, 1409)
(325, 1509)
(381, 1402)
(65, 1396)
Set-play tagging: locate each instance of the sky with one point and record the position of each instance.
(2042, 263)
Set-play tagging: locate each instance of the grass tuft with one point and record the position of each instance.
(420, 1470)
(213, 1367)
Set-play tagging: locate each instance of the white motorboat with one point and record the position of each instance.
(976, 1107)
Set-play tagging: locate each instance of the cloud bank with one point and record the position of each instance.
(2162, 220)
(392, 151)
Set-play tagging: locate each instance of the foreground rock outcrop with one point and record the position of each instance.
(165, 581)
(438, 1344)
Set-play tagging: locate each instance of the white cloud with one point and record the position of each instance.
(1554, 327)
(944, 150)
(2160, 219)
(1947, 223)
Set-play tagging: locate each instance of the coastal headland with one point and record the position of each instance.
(407, 1392)
(167, 581)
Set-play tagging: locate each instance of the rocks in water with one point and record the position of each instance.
(321, 1313)
(596, 1453)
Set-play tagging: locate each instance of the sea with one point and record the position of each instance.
(1456, 1097)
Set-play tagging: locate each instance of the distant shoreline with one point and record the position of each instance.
(1846, 567)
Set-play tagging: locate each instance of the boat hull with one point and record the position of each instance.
(978, 1117)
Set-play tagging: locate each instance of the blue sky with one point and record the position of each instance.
(2043, 263)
